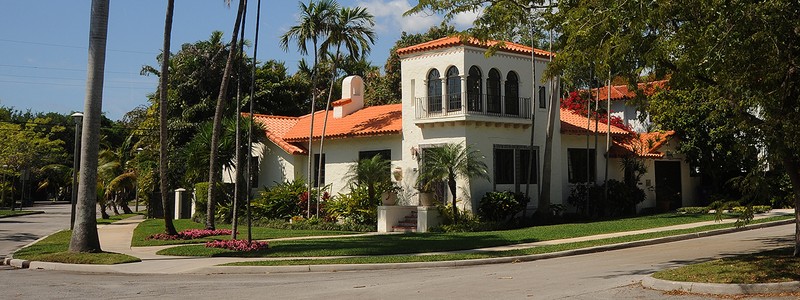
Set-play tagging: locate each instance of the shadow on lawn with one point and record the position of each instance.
(375, 245)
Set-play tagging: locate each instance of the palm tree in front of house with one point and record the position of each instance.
(84, 234)
(372, 173)
(351, 28)
(314, 23)
(169, 228)
(447, 162)
(214, 173)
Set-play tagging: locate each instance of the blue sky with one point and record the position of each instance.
(43, 44)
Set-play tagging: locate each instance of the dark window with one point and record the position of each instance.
(475, 89)
(510, 163)
(504, 166)
(577, 165)
(542, 95)
(512, 94)
(493, 92)
(319, 173)
(434, 91)
(385, 154)
(453, 89)
(534, 164)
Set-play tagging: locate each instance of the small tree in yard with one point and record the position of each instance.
(445, 163)
(373, 173)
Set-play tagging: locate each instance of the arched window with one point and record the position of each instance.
(475, 90)
(512, 94)
(453, 89)
(434, 91)
(493, 92)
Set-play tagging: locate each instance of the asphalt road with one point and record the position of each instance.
(16, 232)
(607, 275)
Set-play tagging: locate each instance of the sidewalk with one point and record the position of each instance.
(116, 237)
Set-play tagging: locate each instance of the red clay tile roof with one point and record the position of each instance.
(620, 92)
(456, 41)
(276, 127)
(368, 121)
(572, 123)
(643, 144)
(289, 132)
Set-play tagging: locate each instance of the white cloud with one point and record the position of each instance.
(389, 16)
(464, 20)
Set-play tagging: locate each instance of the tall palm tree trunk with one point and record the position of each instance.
(325, 121)
(84, 234)
(238, 156)
(213, 177)
(311, 132)
(169, 228)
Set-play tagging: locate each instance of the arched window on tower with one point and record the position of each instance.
(453, 89)
(475, 90)
(434, 91)
(493, 92)
(512, 94)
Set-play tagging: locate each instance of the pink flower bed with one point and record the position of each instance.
(238, 245)
(190, 234)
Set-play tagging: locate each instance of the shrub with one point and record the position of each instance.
(354, 206)
(314, 224)
(694, 210)
(499, 206)
(190, 234)
(279, 202)
(238, 245)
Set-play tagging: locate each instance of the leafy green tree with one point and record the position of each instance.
(278, 93)
(738, 54)
(449, 161)
(28, 148)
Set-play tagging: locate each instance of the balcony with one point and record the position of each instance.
(477, 108)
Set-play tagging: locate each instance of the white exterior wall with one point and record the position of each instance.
(630, 115)
(579, 142)
(275, 165)
(340, 154)
(480, 132)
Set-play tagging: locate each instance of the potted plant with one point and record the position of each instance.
(389, 195)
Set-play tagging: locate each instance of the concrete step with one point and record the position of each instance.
(401, 228)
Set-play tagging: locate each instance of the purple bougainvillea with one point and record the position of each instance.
(190, 234)
(238, 245)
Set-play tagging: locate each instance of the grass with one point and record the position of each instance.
(113, 219)
(154, 226)
(13, 213)
(55, 248)
(439, 242)
(465, 256)
(776, 265)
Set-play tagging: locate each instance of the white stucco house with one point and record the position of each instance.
(453, 93)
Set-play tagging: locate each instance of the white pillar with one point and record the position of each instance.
(178, 201)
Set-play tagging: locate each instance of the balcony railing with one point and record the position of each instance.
(475, 104)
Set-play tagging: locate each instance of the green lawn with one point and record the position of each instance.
(154, 226)
(113, 219)
(765, 267)
(466, 256)
(438, 242)
(54, 249)
(11, 213)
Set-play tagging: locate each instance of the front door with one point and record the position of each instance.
(668, 185)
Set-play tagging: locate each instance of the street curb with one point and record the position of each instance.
(475, 262)
(720, 288)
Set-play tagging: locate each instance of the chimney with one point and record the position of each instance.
(352, 97)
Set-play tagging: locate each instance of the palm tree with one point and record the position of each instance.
(372, 173)
(169, 228)
(314, 22)
(445, 163)
(84, 234)
(213, 172)
(351, 27)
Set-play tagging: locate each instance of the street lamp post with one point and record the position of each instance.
(76, 160)
(136, 184)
